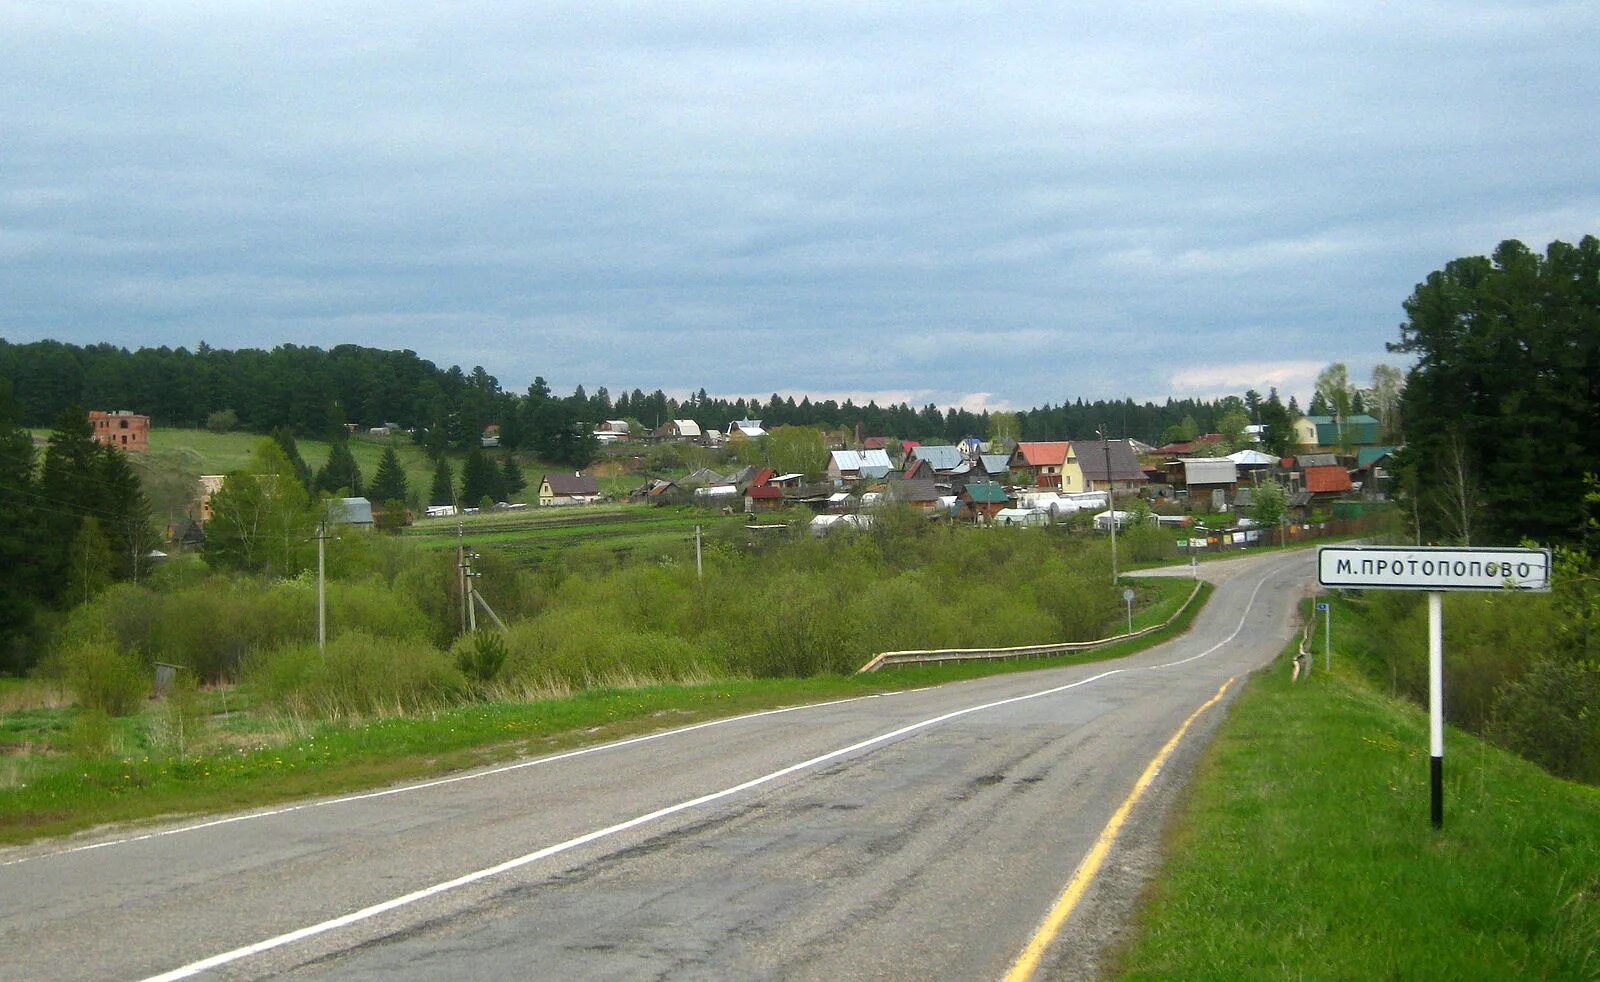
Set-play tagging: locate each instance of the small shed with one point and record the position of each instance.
(353, 512)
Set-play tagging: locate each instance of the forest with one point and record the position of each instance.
(310, 391)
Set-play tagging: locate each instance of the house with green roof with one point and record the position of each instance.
(1358, 430)
(984, 499)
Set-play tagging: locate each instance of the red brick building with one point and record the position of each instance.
(130, 431)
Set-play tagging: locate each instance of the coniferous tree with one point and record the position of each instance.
(479, 478)
(68, 492)
(511, 479)
(443, 491)
(126, 515)
(284, 437)
(389, 483)
(1277, 433)
(1502, 408)
(340, 473)
(20, 536)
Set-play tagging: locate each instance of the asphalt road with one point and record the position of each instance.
(917, 835)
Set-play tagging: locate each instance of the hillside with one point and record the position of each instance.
(177, 457)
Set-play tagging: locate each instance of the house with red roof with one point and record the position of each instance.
(1046, 466)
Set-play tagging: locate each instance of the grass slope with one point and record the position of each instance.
(177, 457)
(1304, 851)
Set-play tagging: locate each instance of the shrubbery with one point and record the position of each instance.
(1519, 669)
(787, 605)
(360, 674)
(104, 679)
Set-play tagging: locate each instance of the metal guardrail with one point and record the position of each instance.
(937, 655)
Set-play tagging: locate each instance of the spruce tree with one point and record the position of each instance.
(340, 473)
(511, 478)
(443, 490)
(125, 515)
(389, 483)
(69, 490)
(479, 478)
(284, 437)
(20, 537)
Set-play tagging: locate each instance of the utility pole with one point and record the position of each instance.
(1111, 499)
(699, 569)
(470, 575)
(322, 588)
(461, 568)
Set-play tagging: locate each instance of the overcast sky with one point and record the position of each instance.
(982, 204)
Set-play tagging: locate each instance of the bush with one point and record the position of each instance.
(360, 675)
(103, 678)
(480, 655)
(1552, 717)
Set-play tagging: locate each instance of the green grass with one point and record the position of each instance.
(535, 535)
(177, 457)
(48, 787)
(1304, 850)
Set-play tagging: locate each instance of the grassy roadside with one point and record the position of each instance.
(1303, 849)
(267, 761)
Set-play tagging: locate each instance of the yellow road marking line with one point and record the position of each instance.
(1028, 962)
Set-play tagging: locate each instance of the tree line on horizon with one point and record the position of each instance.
(310, 391)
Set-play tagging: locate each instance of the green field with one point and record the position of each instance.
(1303, 850)
(535, 535)
(177, 457)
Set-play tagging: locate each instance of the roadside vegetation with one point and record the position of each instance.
(1303, 848)
(68, 763)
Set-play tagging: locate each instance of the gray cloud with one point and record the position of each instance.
(1033, 201)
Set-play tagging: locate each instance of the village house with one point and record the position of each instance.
(944, 460)
(1048, 465)
(863, 465)
(984, 499)
(568, 489)
(920, 493)
(1359, 430)
(128, 431)
(749, 429)
(355, 513)
(1126, 475)
(612, 431)
(210, 484)
(682, 430)
(1211, 481)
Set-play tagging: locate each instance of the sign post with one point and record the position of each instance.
(1327, 635)
(1435, 570)
(1127, 598)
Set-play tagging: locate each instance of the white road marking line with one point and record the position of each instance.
(1247, 608)
(440, 782)
(366, 913)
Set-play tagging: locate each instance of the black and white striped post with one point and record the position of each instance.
(1435, 569)
(1436, 708)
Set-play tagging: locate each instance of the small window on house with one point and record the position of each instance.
(124, 424)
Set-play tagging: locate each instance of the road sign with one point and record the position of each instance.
(1432, 568)
(1322, 606)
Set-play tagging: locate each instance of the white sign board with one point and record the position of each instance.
(1432, 568)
